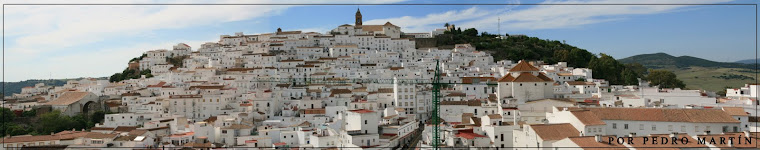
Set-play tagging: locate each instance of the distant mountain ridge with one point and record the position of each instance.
(15, 87)
(747, 61)
(663, 60)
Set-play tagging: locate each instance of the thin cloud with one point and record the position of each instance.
(434, 20)
(570, 16)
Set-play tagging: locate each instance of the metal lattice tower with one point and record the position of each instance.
(436, 104)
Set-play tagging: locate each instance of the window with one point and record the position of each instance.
(654, 127)
(614, 125)
(641, 126)
(683, 128)
(670, 127)
(625, 126)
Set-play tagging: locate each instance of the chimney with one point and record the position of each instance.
(632, 134)
(673, 134)
(707, 132)
(598, 138)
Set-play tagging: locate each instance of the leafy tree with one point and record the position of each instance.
(629, 77)
(15, 129)
(115, 77)
(470, 32)
(97, 116)
(53, 122)
(31, 113)
(637, 68)
(7, 117)
(664, 79)
(606, 67)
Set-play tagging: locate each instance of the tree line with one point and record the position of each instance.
(28, 122)
(521, 47)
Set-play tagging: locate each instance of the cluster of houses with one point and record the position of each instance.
(231, 94)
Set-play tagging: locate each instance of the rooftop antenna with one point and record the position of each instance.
(499, 26)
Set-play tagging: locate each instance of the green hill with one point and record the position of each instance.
(747, 61)
(663, 60)
(698, 73)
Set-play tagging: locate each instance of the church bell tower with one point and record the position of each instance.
(358, 17)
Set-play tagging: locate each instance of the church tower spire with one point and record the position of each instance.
(358, 17)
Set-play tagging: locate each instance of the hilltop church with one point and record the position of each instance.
(359, 29)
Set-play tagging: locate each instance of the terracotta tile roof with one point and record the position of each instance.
(550, 132)
(65, 135)
(528, 77)
(361, 111)
(663, 115)
(288, 32)
(523, 66)
(396, 68)
(579, 83)
(102, 128)
(468, 103)
(339, 91)
(160, 84)
(456, 94)
(735, 111)
(469, 80)
(494, 116)
(544, 77)
(372, 28)
(314, 111)
(469, 135)
(68, 98)
(130, 94)
(591, 143)
(475, 121)
(207, 87)
(124, 128)
(385, 90)
(587, 118)
(240, 69)
(98, 135)
(389, 24)
(138, 132)
(506, 78)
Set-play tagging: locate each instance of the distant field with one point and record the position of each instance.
(715, 79)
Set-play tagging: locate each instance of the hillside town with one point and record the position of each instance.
(295, 89)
